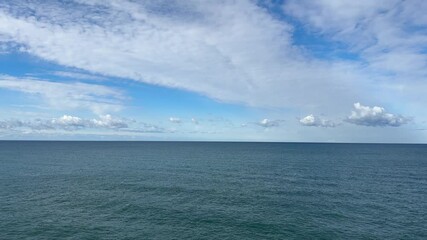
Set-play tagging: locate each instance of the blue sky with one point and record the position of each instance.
(294, 70)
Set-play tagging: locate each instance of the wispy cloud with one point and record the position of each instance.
(77, 75)
(267, 123)
(233, 51)
(389, 35)
(194, 121)
(60, 95)
(174, 120)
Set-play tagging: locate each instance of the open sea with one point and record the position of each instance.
(212, 190)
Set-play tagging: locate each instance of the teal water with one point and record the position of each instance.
(191, 190)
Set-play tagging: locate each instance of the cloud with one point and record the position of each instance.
(107, 121)
(194, 121)
(77, 75)
(387, 38)
(389, 35)
(174, 120)
(73, 123)
(69, 122)
(312, 121)
(232, 51)
(375, 116)
(11, 124)
(266, 123)
(75, 95)
(147, 128)
(4, 49)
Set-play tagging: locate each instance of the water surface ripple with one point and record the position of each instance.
(195, 190)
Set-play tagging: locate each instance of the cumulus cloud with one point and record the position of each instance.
(313, 121)
(69, 121)
(375, 116)
(194, 121)
(74, 95)
(174, 120)
(267, 123)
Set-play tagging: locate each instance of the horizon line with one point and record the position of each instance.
(210, 141)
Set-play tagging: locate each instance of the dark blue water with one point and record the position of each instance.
(172, 190)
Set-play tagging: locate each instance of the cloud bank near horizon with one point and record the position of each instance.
(77, 124)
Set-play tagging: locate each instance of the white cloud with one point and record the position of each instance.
(267, 123)
(313, 121)
(375, 116)
(387, 37)
(68, 121)
(77, 75)
(73, 123)
(388, 34)
(60, 95)
(175, 120)
(232, 51)
(194, 121)
(107, 121)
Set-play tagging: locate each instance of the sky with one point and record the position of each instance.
(288, 71)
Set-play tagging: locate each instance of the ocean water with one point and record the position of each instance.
(195, 190)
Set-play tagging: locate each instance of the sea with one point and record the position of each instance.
(212, 190)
